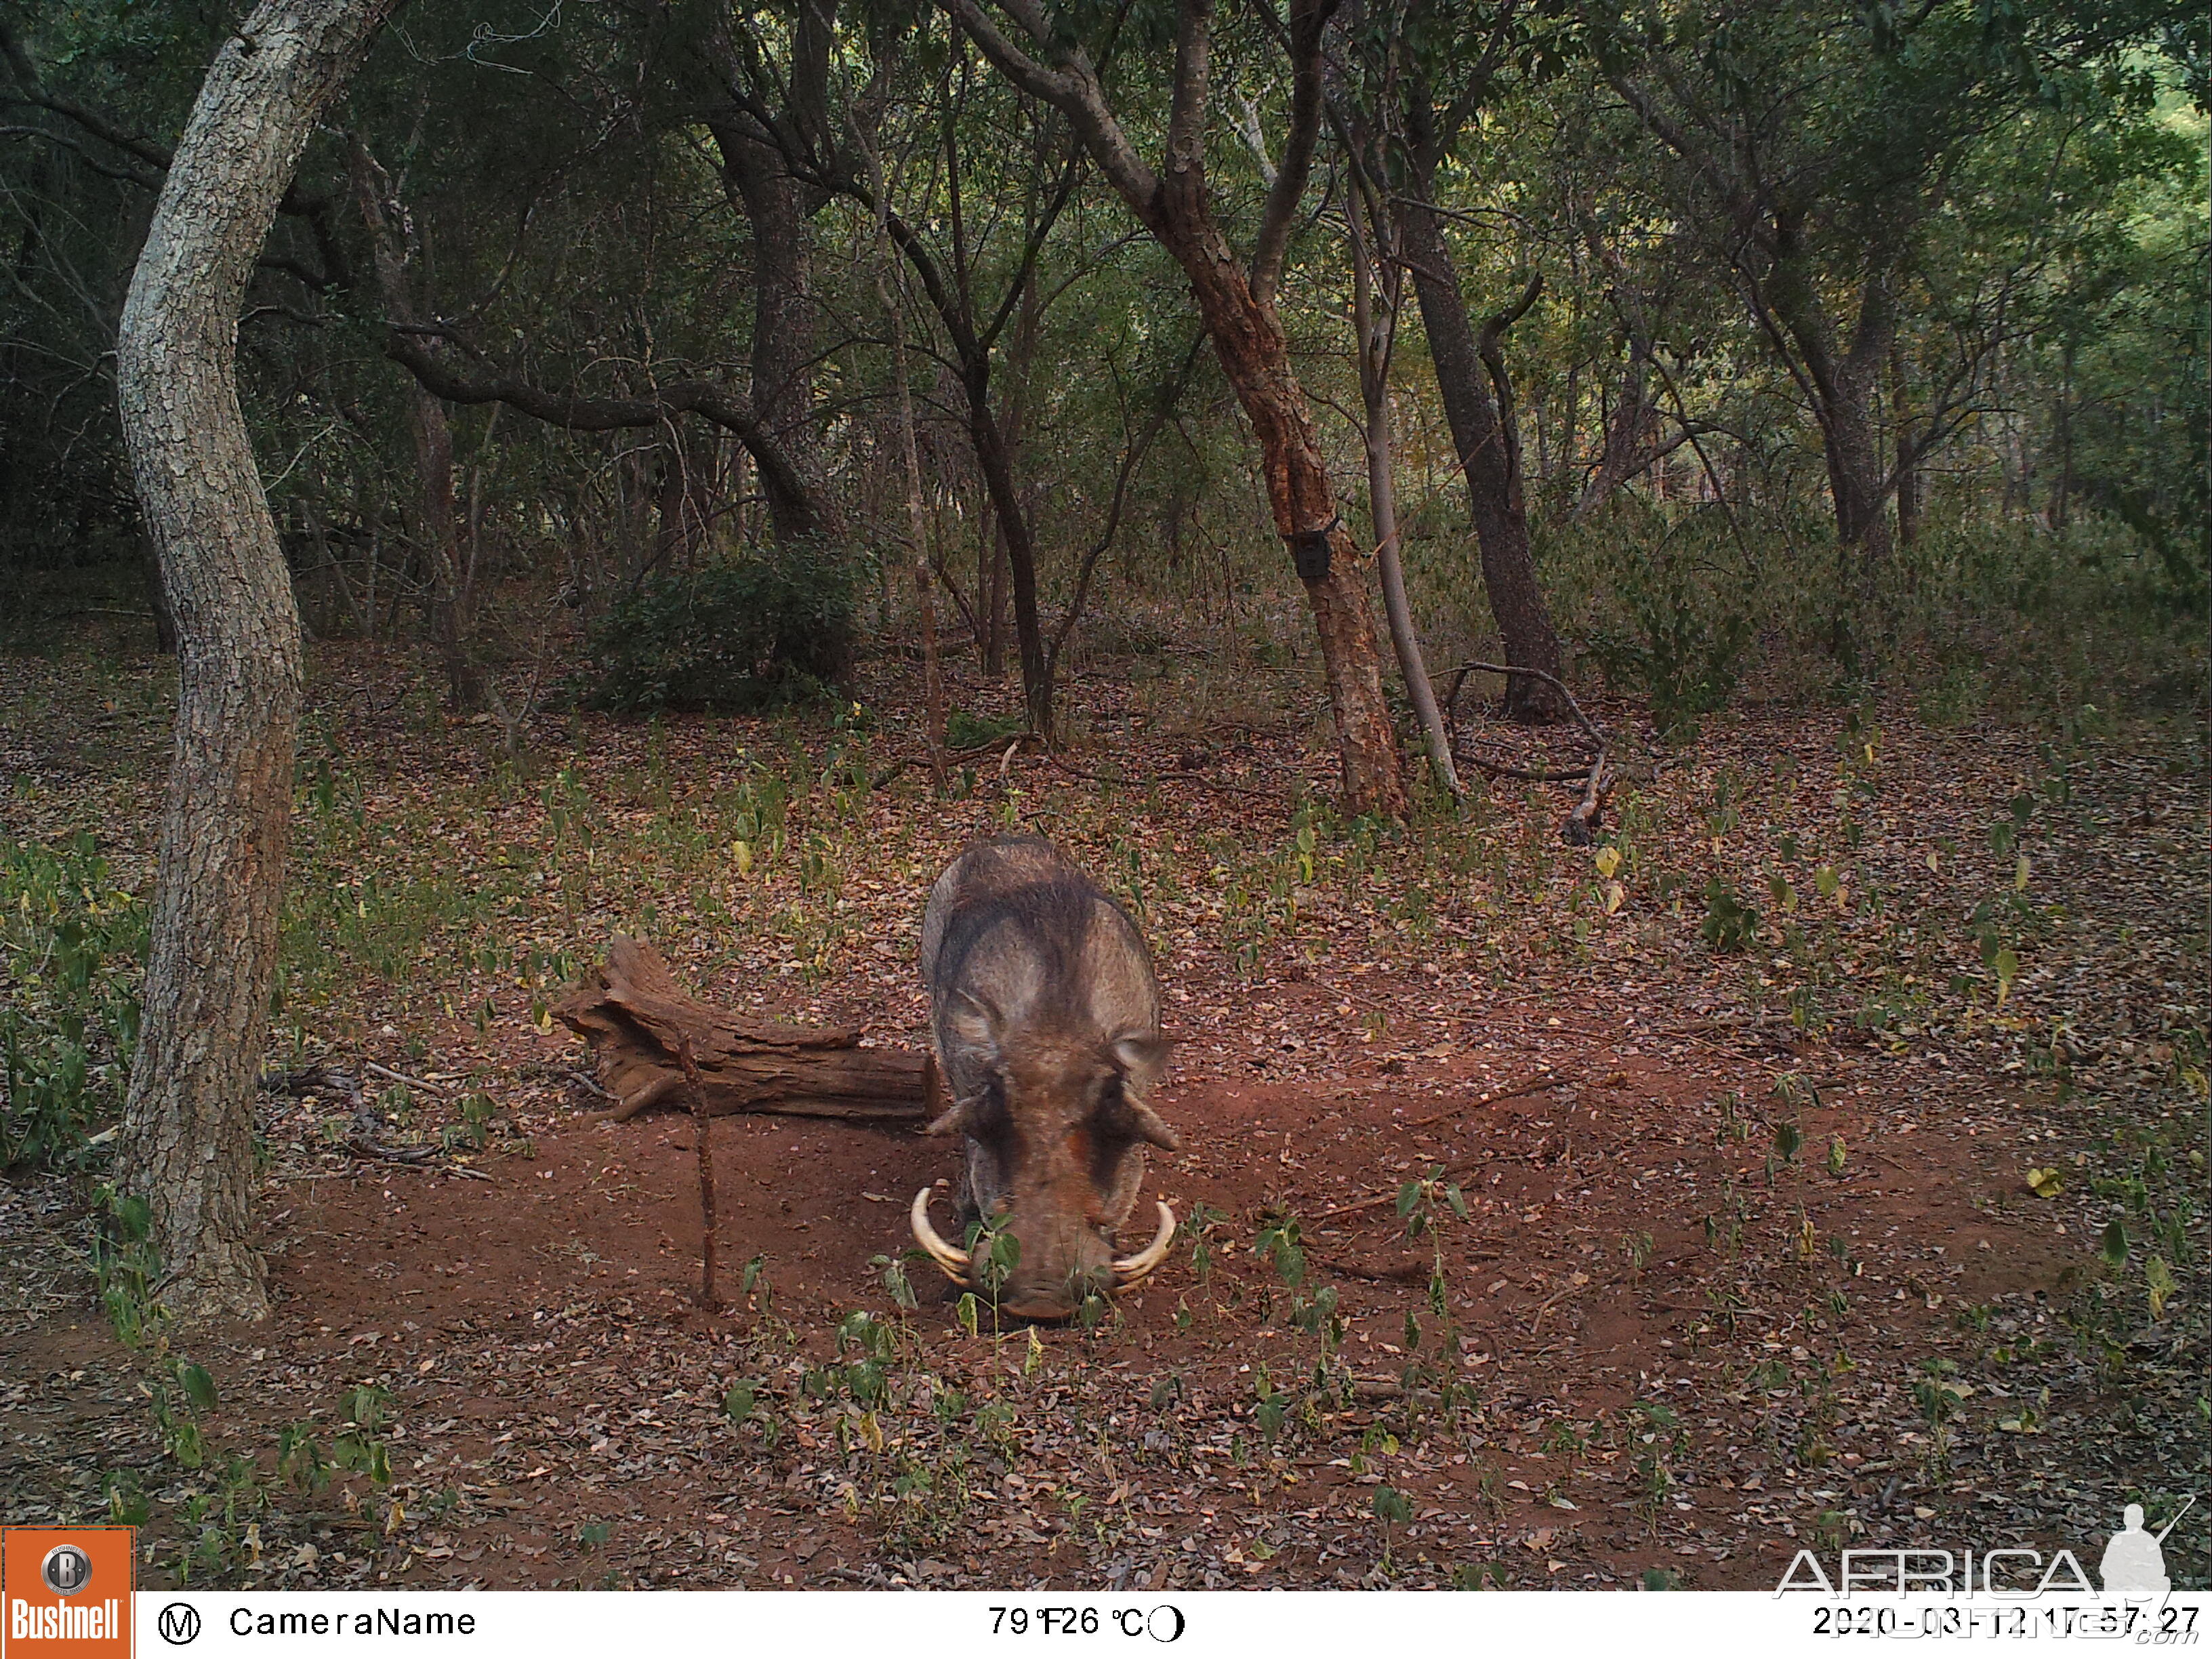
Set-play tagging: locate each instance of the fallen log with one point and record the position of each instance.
(637, 1019)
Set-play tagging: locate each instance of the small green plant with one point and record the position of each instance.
(360, 1447)
(1662, 1439)
(1729, 923)
(177, 1415)
(1392, 1510)
(126, 1267)
(1679, 648)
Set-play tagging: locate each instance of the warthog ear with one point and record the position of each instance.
(976, 1024)
(1141, 1057)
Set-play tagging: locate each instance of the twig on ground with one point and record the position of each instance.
(386, 1071)
(703, 1142)
(1582, 824)
(411, 1158)
(1533, 1086)
(584, 1080)
(954, 757)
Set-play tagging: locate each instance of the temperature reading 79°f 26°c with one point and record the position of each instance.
(1164, 1623)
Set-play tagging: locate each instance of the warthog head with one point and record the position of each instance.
(1047, 1022)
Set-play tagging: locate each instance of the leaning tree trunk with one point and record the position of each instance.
(187, 1147)
(1487, 462)
(1255, 353)
(1374, 337)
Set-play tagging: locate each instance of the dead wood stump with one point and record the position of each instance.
(636, 1017)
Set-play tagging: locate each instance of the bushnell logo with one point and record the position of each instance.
(65, 1592)
(66, 1569)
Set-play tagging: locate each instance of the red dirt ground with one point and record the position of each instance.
(1674, 1348)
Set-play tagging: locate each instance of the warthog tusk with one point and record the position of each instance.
(954, 1263)
(1134, 1269)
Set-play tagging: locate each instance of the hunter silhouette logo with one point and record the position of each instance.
(66, 1592)
(2135, 1560)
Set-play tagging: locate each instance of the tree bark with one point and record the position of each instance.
(1374, 335)
(1488, 461)
(436, 526)
(1629, 431)
(1908, 453)
(1254, 351)
(187, 1143)
(779, 208)
(1841, 382)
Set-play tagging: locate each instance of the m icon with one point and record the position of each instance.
(179, 1623)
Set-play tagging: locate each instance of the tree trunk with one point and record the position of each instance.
(2062, 488)
(1628, 431)
(435, 524)
(1240, 317)
(990, 599)
(777, 207)
(1486, 461)
(1254, 355)
(757, 169)
(1908, 453)
(1842, 383)
(1374, 337)
(187, 1144)
(997, 463)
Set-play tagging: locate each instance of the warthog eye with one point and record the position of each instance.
(991, 1121)
(1113, 1122)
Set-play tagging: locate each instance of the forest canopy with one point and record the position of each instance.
(1812, 340)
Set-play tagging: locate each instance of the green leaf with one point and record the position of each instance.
(2114, 1247)
(200, 1386)
(737, 1403)
(1391, 1508)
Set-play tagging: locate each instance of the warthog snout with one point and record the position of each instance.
(1046, 1019)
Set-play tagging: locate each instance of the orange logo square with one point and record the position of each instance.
(65, 1592)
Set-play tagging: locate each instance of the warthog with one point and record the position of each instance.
(1047, 1024)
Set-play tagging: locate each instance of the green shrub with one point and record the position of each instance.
(72, 944)
(1680, 647)
(965, 731)
(762, 632)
